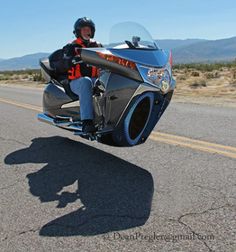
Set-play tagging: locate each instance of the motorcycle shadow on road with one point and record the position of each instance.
(112, 194)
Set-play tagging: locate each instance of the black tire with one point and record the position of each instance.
(107, 139)
(133, 124)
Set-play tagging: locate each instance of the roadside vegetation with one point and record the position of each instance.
(32, 75)
(206, 80)
(193, 80)
(206, 67)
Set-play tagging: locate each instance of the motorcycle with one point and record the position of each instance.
(134, 87)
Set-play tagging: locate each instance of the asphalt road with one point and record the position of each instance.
(58, 192)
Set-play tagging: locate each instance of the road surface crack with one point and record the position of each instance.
(7, 237)
(33, 230)
(195, 233)
(180, 221)
(12, 140)
(4, 239)
(29, 231)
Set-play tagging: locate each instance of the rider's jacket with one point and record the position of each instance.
(82, 69)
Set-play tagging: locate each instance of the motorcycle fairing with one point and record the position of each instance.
(154, 58)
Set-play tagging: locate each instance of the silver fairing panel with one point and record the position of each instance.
(54, 97)
(119, 91)
(91, 56)
(153, 58)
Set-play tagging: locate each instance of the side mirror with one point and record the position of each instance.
(135, 40)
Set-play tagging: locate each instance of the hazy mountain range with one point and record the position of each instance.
(206, 51)
(30, 61)
(177, 43)
(184, 51)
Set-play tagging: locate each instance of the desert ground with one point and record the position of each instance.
(196, 83)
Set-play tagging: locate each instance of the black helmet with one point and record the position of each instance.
(82, 22)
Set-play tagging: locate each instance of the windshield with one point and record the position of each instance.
(131, 35)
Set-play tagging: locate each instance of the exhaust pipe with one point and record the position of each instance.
(65, 125)
(45, 118)
(71, 126)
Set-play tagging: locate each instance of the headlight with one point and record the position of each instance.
(160, 77)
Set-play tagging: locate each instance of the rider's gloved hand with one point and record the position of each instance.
(76, 60)
(71, 50)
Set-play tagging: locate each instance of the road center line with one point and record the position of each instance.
(192, 146)
(22, 105)
(194, 141)
(228, 151)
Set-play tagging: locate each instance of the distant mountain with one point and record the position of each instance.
(30, 61)
(184, 51)
(206, 51)
(176, 43)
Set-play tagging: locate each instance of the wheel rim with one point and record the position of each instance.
(138, 117)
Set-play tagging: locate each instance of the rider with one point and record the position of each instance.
(81, 75)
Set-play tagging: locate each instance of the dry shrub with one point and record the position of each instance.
(195, 74)
(234, 74)
(233, 84)
(212, 75)
(182, 77)
(4, 77)
(198, 84)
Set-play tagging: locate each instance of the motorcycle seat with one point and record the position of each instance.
(45, 64)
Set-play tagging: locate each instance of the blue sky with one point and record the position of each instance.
(29, 26)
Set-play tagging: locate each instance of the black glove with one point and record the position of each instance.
(76, 60)
(71, 50)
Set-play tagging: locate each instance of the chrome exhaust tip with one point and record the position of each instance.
(45, 118)
(72, 126)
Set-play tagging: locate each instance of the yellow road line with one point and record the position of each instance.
(22, 105)
(193, 146)
(195, 141)
(205, 146)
